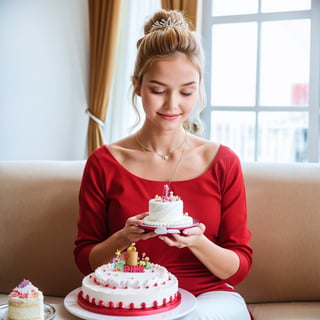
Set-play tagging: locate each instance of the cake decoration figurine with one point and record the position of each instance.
(117, 262)
(132, 255)
(145, 261)
(132, 262)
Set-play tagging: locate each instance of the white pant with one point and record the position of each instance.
(219, 305)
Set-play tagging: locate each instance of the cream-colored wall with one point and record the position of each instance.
(43, 79)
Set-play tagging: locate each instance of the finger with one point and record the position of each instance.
(199, 229)
(168, 241)
(136, 220)
(148, 235)
(136, 229)
(141, 215)
(173, 241)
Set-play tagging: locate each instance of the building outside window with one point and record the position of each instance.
(262, 77)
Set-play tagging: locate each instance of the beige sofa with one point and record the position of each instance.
(38, 212)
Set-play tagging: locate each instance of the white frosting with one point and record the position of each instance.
(167, 213)
(27, 290)
(140, 289)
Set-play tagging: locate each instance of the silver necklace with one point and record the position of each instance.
(176, 167)
(163, 156)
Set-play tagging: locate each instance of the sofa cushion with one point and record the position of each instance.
(39, 208)
(284, 217)
(285, 311)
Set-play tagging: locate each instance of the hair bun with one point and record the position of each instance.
(166, 19)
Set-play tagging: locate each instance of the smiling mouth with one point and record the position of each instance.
(169, 116)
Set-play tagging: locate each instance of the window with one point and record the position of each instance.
(262, 77)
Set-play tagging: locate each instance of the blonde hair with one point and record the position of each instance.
(165, 34)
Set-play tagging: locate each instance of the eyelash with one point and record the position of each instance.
(163, 92)
(157, 92)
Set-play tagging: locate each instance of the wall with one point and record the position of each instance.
(43, 79)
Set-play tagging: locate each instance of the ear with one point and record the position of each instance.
(136, 86)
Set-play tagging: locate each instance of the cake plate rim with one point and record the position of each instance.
(188, 304)
(171, 229)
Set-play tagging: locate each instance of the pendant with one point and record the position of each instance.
(165, 157)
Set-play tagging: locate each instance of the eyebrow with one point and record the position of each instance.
(183, 85)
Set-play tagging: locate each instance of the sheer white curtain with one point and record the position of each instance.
(120, 114)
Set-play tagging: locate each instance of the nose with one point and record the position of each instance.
(172, 100)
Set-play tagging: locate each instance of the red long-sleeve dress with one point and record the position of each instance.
(110, 194)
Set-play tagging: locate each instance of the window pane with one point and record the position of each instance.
(232, 7)
(235, 130)
(285, 5)
(285, 51)
(233, 73)
(282, 136)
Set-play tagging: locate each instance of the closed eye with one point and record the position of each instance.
(158, 91)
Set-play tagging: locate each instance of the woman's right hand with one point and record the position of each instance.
(133, 231)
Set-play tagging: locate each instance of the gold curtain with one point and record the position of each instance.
(188, 7)
(104, 20)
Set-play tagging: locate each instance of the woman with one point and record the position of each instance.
(119, 179)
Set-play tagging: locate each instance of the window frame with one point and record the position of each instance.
(312, 108)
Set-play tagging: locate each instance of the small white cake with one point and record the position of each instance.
(25, 302)
(167, 211)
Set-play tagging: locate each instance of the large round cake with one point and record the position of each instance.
(129, 287)
(167, 211)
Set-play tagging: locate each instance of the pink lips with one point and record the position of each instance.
(169, 116)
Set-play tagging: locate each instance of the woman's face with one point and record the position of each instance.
(169, 91)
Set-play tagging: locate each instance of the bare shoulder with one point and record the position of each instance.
(205, 149)
(123, 149)
(199, 156)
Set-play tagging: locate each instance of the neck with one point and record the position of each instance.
(163, 146)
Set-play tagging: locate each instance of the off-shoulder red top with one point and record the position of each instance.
(109, 194)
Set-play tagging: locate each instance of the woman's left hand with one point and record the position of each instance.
(187, 238)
